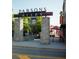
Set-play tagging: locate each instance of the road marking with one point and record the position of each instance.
(25, 56)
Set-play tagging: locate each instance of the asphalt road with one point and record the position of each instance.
(19, 56)
(38, 52)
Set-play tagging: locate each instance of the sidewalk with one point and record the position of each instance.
(37, 44)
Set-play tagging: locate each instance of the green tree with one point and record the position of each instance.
(26, 24)
(39, 22)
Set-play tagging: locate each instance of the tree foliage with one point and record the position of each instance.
(38, 23)
(26, 24)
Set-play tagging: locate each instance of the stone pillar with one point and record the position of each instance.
(45, 31)
(18, 29)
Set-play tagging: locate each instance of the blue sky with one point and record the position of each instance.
(54, 6)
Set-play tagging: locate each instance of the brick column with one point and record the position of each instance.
(45, 31)
(18, 29)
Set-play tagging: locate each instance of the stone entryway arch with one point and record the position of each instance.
(18, 28)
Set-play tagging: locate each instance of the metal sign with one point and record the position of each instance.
(42, 13)
(32, 10)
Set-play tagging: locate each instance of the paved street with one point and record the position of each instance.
(35, 50)
(25, 56)
(35, 53)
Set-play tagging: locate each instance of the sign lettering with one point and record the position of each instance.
(33, 10)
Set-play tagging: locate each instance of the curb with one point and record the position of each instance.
(40, 48)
